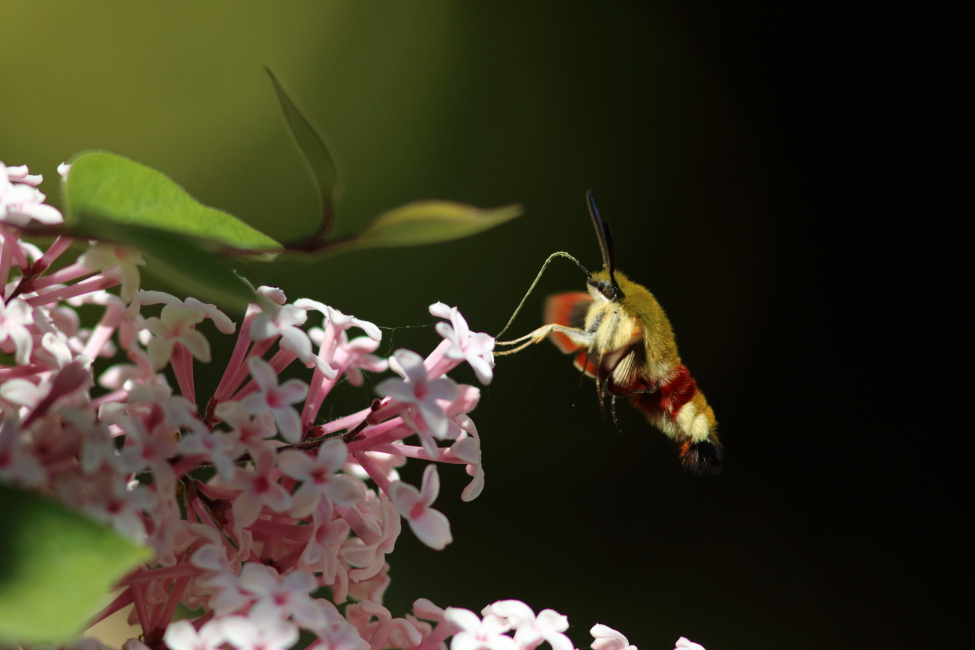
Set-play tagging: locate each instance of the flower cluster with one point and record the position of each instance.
(263, 519)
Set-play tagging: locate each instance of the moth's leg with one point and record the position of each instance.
(580, 337)
(612, 410)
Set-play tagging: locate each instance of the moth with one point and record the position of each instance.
(619, 335)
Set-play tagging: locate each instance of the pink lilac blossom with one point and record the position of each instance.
(21, 201)
(300, 512)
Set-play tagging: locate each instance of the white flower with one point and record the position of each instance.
(103, 256)
(606, 638)
(246, 633)
(17, 462)
(15, 317)
(181, 635)
(476, 634)
(384, 526)
(468, 449)
(476, 348)
(275, 399)
(284, 323)
(318, 477)
(530, 630)
(259, 489)
(219, 447)
(340, 320)
(20, 201)
(417, 389)
(429, 525)
(176, 325)
(280, 597)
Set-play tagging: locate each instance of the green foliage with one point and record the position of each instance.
(105, 190)
(112, 198)
(414, 224)
(55, 567)
(424, 222)
(315, 152)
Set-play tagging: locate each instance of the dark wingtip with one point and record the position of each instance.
(702, 457)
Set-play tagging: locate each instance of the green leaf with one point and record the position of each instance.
(315, 152)
(111, 189)
(56, 565)
(425, 222)
(180, 262)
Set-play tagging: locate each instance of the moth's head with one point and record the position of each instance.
(603, 284)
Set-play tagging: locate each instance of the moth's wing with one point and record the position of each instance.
(569, 310)
(586, 362)
(622, 371)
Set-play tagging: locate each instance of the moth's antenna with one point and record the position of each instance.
(537, 278)
(604, 236)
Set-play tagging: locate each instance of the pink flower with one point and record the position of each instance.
(339, 637)
(145, 449)
(468, 448)
(429, 525)
(176, 325)
(321, 553)
(120, 506)
(606, 638)
(15, 319)
(21, 202)
(384, 526)
(141, 370)
(355, 356)
(252, 430)
(154, 393)
(371, 588)
(259, 488)
(421, 392)
(319, 477)
(685, 644)
(476, 348)
(17, 463)
(340, 320)
(284, 323)
(280, 597)
(104, 256)
(476, 634)
(275, 399)
(250, 633)
(20, 174)
(530, 630)
(220, 320)
(219, 447)
(181, 635)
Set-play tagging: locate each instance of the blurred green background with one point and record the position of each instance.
(711, 138)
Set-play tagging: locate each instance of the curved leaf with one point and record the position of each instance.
(111, 189)
(56, 565)
(315, 152)
(425, 222)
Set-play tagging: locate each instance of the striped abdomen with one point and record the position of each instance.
(679, 409)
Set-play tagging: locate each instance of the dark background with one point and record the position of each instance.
(761, 166)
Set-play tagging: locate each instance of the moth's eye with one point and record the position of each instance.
(609, 291)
